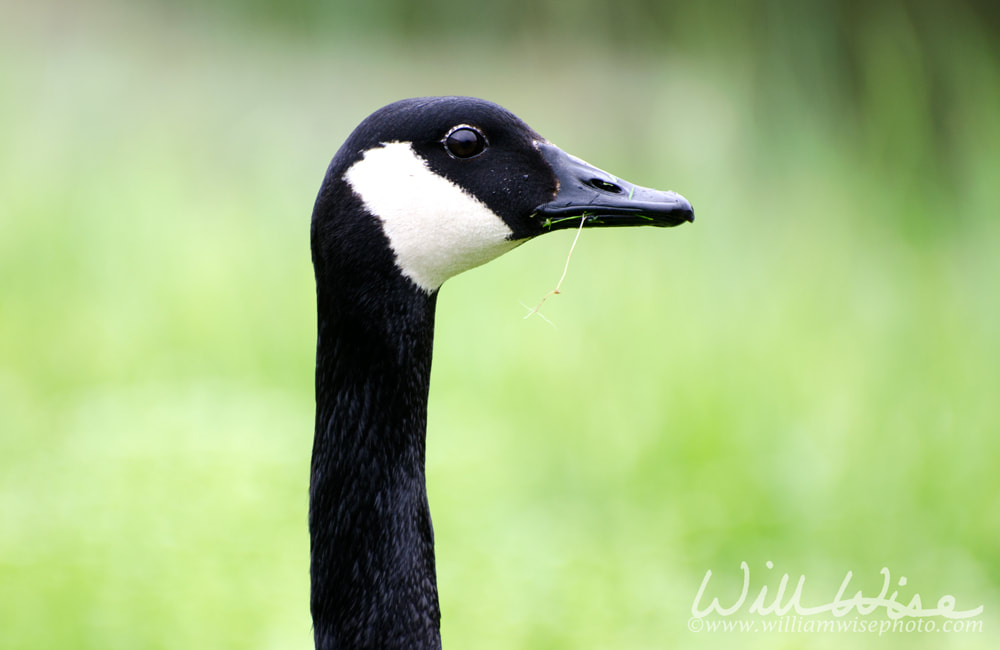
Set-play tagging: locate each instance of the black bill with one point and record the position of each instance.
(603, 200)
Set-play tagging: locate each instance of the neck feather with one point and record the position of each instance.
(372, 564)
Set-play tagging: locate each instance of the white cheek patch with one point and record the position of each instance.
(435, 228)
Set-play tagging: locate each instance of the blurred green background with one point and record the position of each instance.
(807, 375)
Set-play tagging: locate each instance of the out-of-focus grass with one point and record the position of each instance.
(805, 375)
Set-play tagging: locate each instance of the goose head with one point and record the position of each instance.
(426, 188)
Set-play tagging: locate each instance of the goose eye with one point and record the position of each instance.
(465, 142)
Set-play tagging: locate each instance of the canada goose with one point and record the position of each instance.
(422, 189)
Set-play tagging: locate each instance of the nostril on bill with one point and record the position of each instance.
(604, 186)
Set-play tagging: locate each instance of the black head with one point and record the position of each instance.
(443, 184)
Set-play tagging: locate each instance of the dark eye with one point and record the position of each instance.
(465, 142)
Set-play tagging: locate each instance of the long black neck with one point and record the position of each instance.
(372, 564)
